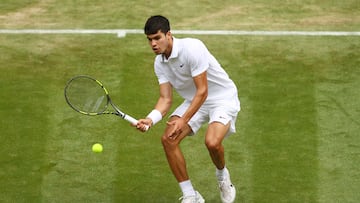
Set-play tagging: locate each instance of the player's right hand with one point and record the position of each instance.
(144, 124)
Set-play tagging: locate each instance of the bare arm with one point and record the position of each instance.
(163, 105)
(165, 100)
(199, 98)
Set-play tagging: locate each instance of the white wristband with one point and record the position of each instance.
(155, 116)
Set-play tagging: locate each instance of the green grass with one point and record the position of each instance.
(297, 134)
(230, 14)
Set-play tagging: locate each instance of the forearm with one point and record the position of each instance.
(195, 105)
(163, 105)
(199, 98)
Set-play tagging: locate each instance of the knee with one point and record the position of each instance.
(213, 145)
(167, 142)
(164, 141)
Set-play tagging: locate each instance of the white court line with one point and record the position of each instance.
(123, 32)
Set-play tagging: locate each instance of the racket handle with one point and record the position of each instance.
(134, 121)
(146, 127)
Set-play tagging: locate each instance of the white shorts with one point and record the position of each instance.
(219, 111)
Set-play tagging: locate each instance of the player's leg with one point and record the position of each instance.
(213, 140)
(177, 163)
(173, 152)
(215, 134)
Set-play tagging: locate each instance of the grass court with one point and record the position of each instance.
(297, 135)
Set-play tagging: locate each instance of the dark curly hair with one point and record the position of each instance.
(156, 23)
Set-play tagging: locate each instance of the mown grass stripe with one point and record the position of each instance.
(337, 94)
(285, 147)
(123, 32)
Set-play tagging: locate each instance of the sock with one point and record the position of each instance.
(221, 174)
(187, 188)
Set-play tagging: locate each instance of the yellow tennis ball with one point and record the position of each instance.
(97, 148)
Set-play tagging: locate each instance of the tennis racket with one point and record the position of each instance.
(88, 96)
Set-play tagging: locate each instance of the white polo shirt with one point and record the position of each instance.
(189, 58)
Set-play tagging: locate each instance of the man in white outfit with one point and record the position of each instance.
(186, 65)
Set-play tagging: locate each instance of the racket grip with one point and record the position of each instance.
(134, 121)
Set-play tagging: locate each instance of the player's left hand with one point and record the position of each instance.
(177, 126)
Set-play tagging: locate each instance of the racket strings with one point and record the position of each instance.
(86, 95)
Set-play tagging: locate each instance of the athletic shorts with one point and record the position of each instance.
(219, 111)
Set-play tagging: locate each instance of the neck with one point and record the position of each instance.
(168, 50)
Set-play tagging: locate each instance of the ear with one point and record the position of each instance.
(168, 34)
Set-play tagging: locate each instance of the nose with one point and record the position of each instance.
(153, 43)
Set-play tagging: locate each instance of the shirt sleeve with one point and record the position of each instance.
(198, 58)
(161, 76)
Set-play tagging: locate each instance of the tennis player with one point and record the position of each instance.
(187, 66)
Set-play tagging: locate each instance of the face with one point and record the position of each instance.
(160, 43)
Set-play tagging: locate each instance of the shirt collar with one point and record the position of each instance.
(174, 50)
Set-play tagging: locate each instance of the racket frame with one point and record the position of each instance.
(117, 111)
